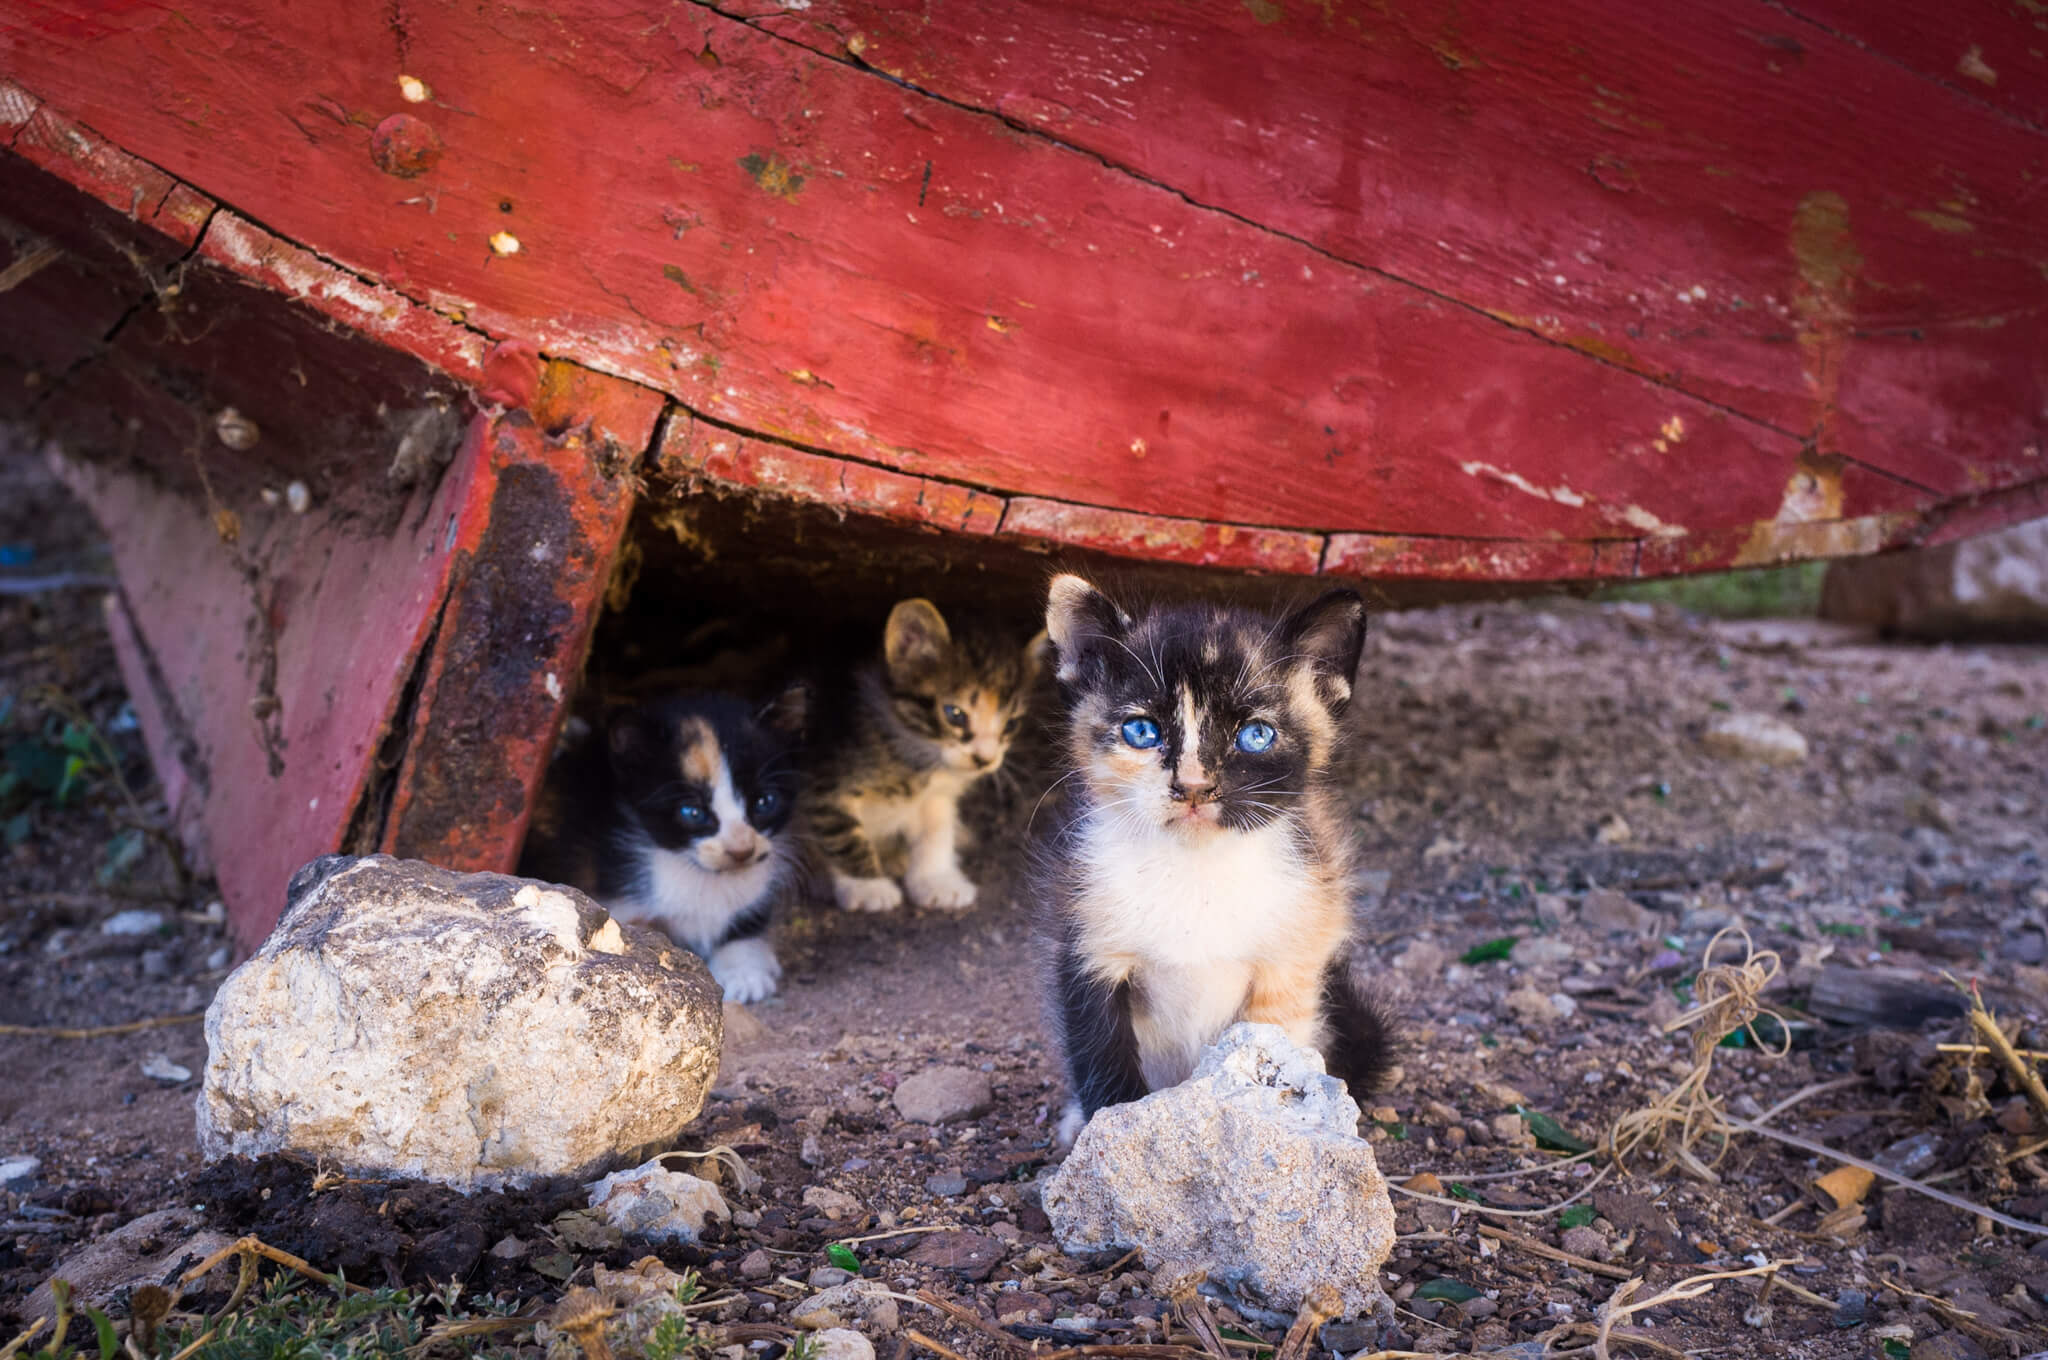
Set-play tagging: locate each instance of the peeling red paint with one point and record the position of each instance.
(1162, 539)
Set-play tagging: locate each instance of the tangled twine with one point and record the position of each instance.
(1725, 999)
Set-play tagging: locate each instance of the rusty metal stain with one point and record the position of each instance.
(773, 174)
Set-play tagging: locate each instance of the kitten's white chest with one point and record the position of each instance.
(1170, 901)
(694, 904)
(885, 819)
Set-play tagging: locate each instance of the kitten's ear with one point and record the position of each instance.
(786, 714)
(1078, 619)
(1036, 653)
(1330, 635)
(629, 734)
(916, 639)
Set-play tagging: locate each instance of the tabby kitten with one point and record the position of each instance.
(678, 816)
(937, 713)
(1201, 875)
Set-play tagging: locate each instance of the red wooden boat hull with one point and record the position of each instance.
(1429, 293)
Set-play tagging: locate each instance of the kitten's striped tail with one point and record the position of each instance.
(1365, 1040)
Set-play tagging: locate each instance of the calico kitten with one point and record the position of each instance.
(934, 715)
(1202, 872)
(678, 816)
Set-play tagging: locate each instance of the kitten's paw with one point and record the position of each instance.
(1071, 1124)
(746, 969)
(947, 889)
(867, 894)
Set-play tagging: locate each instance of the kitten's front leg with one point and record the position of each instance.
(1098, 1037)
(858, 883)
(746, 969)
(934, 878)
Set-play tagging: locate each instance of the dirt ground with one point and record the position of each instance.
(1533, 772)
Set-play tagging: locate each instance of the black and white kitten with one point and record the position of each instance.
(678, 816)
(1201, 874)
(934, 715)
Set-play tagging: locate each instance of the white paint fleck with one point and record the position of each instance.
(1699, 292)
(553, 685)
(1973, 65)
(1639, 518)
(1560, 493)
(1673, 429)
(1558, 280)
(1138, 447)
(312, 805)
(413, 89)
(299, 497)
(505, 243)
(538, 552)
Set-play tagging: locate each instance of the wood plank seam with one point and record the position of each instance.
(1019, 126)
(1970, 97)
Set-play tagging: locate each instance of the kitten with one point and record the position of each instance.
(1202, 873)
(933, 716)
(678, 816)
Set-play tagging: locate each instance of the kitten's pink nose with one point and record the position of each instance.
(1194, 794)
(982, 762)
(745, 847)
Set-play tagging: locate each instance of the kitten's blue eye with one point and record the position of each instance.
(1255, 737)
(955, 715)
(767, 803)
(1142, 733)
(693, 815)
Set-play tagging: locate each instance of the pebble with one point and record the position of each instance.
(219, 959)
(1552, 908)
(1587, 1241)
(1754, 736)
(841, 1343)
(18, 1169)
(1346, 1337)
(757, 1265)
(940, 1095)
(134, 921)
(1615, 913)
(947, 1184)
(1947, 1346)
(824, 1277)
(1531, 1007)
(1422, 958)
(1851, 1306)
(1613, 830)
(1541, 951)
(833, 1204)
(59, 941)
(1479, 1309)
(156, 963)
(1509, 1129)
(1911, 1155)
(508, 1248)
(1437, 1113)
(159, 1067)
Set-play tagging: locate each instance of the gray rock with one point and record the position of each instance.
(1251, 1170)
(947, 1184)
(1754, 736)
(653, 1202)
(833, 1204)
(134, 921)
(1615, 913)
(156, 963)
(1586, 1241)
(825, 1277)
(219, 959)
(939, 1095)
(473, 1029)
(147, 1250)
(1541, 951)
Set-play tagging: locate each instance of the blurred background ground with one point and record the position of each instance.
(1550, 844)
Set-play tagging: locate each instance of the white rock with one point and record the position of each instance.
(838, 1343)
(473, 1029)
(939, 1095)
(1530, 1006)
(146, 1250)
(134, 921)
(159, 1067)
(833, 1204)
(865, 1302)
(1754, 736)
(15, 1169)
(653, 1202)
(1541, 951)
(1251, 1170)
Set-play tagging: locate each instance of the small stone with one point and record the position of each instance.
(508, 1248)
(1422, 959)
(1947, 1346)
(1020, 1305)
(156, 963)
(863, 1302)
(947, 1184)
(825, 1277)
(970, 1254)
(653, 1202)
(1925, 809)
(1587, 1241)
(1615, 913)
(1455, 1138)
(219, 959)
(1479, 1309)
(1552, 909)
(1531, 1007)
(15, 1169)
(833, 1204)
(1754, 736)
(1424, 1183)
(757, 1265)
(812, 1152)
(1251, 1170)
(2016, 1117)
(1613, 830)
(1541, 951)
(1851, 1308)
(146, 1250)
(1566, 1006)
(1437, 1113)
(1499, 1095)
(840, 1343)
(1509, 1129)
(134, 921)
(1347, 1337)
(940, 1095)
(159, 1067)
